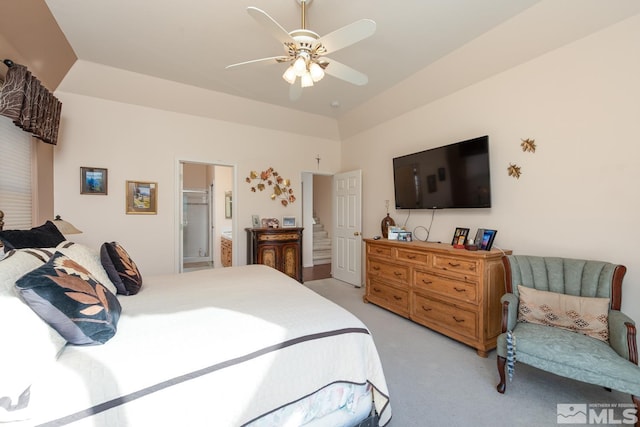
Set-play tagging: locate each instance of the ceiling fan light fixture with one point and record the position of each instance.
(290, 75)
(300, 65)
(316, 71)
(306, 80)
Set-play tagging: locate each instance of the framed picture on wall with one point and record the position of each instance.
(142, 198)
(93, 181)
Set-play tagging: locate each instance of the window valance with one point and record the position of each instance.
(29, 104)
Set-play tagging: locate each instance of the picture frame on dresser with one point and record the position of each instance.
(485, 238)
(288, 221)
(460, 236)
(255, 221)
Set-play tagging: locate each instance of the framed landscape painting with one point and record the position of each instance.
(142, 197)
(93, 181)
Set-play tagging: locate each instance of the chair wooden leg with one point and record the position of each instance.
(501, 367)
(636, 401)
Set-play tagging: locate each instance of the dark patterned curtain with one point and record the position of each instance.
(29, 104)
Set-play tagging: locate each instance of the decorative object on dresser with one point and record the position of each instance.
(484, 238)
(460, 237)
(387, 222)
(288, 221)
(255, 221)
(456, 293)
(270, 223)
(280, 248)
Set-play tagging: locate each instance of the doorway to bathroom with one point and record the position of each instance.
(206, 215)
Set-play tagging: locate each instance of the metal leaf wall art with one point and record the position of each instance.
(271, 178)
(528, 146)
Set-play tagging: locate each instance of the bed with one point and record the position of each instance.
(239, 346)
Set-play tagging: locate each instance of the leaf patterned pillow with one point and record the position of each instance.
(71, 300)
(121, 269)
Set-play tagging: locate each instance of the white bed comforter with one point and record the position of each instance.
(214, 347)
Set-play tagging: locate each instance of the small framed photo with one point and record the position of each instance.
(255, 221)
(288, 221)
(270, 223)
(485, 238)
(142, 198)
(460, 236)
(93, 181)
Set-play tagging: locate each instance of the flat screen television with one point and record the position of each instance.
(452, 176)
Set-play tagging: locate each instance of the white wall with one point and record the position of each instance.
(141, 143)
(577, 196)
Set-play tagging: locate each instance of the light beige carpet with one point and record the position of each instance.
(436, 381)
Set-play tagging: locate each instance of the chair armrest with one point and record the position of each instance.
(509, 311)
(622, 335)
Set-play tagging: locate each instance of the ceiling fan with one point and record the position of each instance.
(306, 50)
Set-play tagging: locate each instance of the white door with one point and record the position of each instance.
(347, 227)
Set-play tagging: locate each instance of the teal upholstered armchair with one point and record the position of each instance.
(609, 360)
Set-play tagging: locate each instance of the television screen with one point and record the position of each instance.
(452, 176)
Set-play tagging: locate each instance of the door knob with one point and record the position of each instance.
(356, 233)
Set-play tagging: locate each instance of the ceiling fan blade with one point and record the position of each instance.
(270, 25)
(343, 72)
(295, 91)
(348, 35)
(253, 61)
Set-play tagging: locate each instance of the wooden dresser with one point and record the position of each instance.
(453, 291)
(280, 248)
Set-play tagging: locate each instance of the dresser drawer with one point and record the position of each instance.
(449, 316)
(387, 296)
(457, 289)
(421, 258)
(379, 250)
(382, 270)
(457, 265)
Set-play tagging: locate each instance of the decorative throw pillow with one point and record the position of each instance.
(71, 300)
(89, 259)
(45, 236)
(121, 269)
(29, 344)
(588, 316)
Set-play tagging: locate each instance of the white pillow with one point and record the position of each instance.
(89, 259)
(29, 344)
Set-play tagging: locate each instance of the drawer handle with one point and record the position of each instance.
(397, 298)
(426, 308)
(427, 282)
(454, 264)
(375, 267)
(379, 251)
(458, 320)
(376, 290)
(397, 273)
(459, 290)
(411, 256)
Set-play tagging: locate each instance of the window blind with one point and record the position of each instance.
(15, 179)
